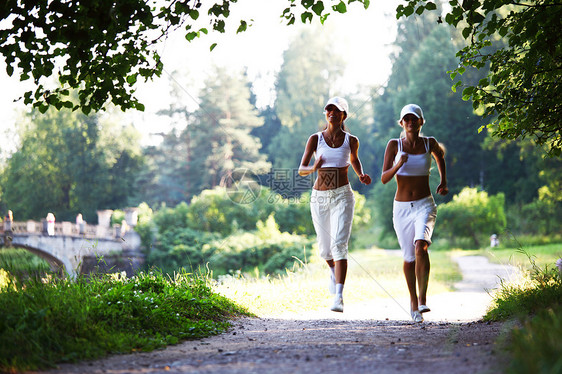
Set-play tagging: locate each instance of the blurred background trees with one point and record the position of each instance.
(68, 162)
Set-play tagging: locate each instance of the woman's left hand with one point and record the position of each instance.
(365, 179)
(442, 189)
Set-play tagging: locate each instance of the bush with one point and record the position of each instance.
(539, 217)
(471, 214)
(44, 324)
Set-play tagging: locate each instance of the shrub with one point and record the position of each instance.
(471, 214)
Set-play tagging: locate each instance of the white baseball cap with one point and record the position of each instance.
(411, 109)
(338, 102)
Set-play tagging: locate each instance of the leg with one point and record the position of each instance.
(410, 274)
(341, 271)
(422, 269)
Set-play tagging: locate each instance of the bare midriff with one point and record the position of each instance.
(412, 188)
(331, 178)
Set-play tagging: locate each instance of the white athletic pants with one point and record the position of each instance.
(332, 215)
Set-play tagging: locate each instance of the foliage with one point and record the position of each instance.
(195, 250)
(521, 90)
(61, 321)
(212, 147)
(303, 86)
(69, 163)
(535, 344)
(472, 214)
(423, 45)
(103, 49)
(22, 264)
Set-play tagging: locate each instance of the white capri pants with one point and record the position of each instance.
(413, 220)
(332, 216)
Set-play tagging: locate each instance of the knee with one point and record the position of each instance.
(421, 247)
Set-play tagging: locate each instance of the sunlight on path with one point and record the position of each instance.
(468, 303)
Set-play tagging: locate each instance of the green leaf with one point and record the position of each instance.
(430, 6)
(420, 10)
(212, 46)
(191, 35)
(43, 108)
(306, 16)
(467, 93)
(318, 8)
(408, 11)
(194, 14)
(454, 87)
(307, 3)
(341, 8)
(466, 32)
(243, 27)
(132, 79)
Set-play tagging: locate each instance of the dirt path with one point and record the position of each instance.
(370, 337)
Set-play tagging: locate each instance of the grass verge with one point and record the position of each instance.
(536, 303)
(47, 322)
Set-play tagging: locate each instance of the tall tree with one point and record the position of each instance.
(307, 78)
(213, 142)
(424, 53)
(522, 92)
(69, 163)
(220, 134)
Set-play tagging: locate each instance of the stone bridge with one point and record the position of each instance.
(79, 248)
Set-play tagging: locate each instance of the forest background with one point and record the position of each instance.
(221, 187)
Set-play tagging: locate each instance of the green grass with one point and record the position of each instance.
(372, 273)
(51, 321)
(22, 263)
(536, 303)
(542, 255)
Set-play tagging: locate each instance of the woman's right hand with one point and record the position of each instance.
(317, 163)
(402, 160)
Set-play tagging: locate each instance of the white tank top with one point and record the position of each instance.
(333, 157)
(416, 165)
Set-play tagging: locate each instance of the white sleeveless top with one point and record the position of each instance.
(333, 157)
(417, 165)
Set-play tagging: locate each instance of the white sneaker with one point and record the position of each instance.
(337, 306)
(416, 316)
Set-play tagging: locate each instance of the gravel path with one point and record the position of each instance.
(377, 336)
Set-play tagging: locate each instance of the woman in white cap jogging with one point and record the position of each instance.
(332, 202)
(414, 212)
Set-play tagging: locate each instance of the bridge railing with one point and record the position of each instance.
(67, 229)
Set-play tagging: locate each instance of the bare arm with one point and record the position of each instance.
(355, 162)
(439, 155)
(388, 169)
(309, 150)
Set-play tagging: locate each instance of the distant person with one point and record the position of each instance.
(80, 224)
(414, 212)
(8, 219)
(50, 224)
(494, 241)
(332, 202)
